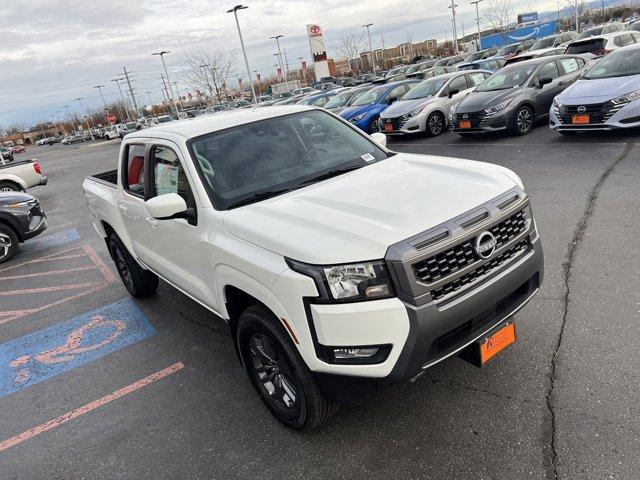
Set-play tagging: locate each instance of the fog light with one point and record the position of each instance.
(349, 353)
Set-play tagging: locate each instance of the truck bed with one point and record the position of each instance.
(109, 178)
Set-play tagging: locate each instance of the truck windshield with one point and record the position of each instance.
(258, 160)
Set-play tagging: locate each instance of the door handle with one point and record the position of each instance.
(561, 83)
(152, 221)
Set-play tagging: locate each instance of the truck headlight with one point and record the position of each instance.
(629, 97)
(498, 107)
(350, 282)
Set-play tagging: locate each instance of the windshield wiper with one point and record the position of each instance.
(331, 174)
(261, 196)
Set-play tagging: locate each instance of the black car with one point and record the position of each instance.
(21, 218)
(516, 96)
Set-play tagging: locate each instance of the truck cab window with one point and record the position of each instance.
(133, 173)
(169, 175)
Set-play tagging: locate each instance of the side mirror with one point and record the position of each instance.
(166, 206)
(390, 100)
(380, 139)
(453, 92)
(544, 81)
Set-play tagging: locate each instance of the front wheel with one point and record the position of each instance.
(277, 372)
(8, 243)
(374, 126)
(139, 282)
(435, 124)
(523, 120)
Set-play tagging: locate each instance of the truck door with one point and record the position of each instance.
(175, 248)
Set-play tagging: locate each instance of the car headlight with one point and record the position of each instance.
(357, 118)
(557, 103)
(417, 111)
(26, 203)
(498, 107)
(350, 282)
(629, 97)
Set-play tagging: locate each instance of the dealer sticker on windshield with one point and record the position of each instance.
(367, 157)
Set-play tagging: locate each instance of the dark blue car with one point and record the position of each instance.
(364, 113)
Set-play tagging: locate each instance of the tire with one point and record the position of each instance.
(6, 186)
(436, 124)
(374, 126)
(523, 121)
(138, 281)
(276, 370)
(9, 242)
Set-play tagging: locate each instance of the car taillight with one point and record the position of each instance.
(36, 167)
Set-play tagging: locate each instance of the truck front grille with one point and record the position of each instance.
(445, 263)
(479, 272)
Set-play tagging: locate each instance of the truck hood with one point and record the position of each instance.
(358, 215)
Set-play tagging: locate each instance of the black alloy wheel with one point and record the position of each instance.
(524, 120)
(435, 124)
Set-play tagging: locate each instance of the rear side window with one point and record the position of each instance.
(569, 65)
(133, 170)
(624, 40)
(458, 83)
(586, 47)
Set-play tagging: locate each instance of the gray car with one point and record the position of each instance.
(516, 96)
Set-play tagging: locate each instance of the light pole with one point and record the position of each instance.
(86, 116)
(99, 87)
(476, 2)
(373, 60)
(234, 10)
(277, 39)
(455, 32)
(304, 77)
(258, 82)
(279, 67)
(166, 73)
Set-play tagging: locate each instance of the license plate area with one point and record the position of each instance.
(465, 124)
(583, 119)
(388, 127)
(480, 352)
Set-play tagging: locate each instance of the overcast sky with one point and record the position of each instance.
(52, 52)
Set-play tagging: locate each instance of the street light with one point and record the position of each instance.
(86, 116)
(477, 19)
(124, 102)
(373, 60)
(277, 39)
(164, 65)
(455, 33)
(99, 87)
(234, 10)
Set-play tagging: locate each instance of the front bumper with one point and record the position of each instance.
(402, 126)
(481, 122)
(604, 116)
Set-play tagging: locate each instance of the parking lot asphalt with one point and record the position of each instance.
(153, 389)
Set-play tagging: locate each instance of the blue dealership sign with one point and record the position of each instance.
(518, 35)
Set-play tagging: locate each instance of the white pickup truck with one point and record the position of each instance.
(338, 265)
(16, 176)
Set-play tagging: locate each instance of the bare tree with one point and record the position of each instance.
(350, 45)
(577, 8)
(209, 71)
(499, 14)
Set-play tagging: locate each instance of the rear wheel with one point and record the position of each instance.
(138, 281)
(9, 187)
(523, 120)
(435, 124)
(8, 243)
(277, 372)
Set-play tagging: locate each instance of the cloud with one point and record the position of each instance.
(55, 51)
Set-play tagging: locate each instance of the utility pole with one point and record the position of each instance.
(476, 2)
(373, 60)
(133, 97)
(286, 63)
(382, 37)
(99, 87)
(234, 10)
(455, 33)
(164, 65)
(178, 94)
(124, 102)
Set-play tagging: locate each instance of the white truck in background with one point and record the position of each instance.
(339, 265)
(20, 175)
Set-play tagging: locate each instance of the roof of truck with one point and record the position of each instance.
(194, 127)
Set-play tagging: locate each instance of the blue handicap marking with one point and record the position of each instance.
(52, 240)
(57, 349)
